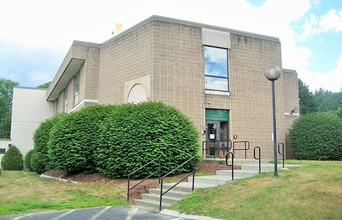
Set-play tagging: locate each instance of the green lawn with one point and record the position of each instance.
(24, 192)
(313, 191)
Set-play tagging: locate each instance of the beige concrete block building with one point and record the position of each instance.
(214, 75)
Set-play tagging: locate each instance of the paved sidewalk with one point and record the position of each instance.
(105, 213)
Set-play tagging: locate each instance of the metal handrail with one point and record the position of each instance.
(227, 158)
(259, 156)
(142, 167)
(215, 148)
(163, 177)
(246, 147)
(282, 152)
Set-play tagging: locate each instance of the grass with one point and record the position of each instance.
(313, 191)
(24, 192)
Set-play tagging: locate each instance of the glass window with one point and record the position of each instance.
(77, 88)
(65, 103)
(216, 68)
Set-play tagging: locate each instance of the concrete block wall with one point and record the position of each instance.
(250, 101)
(125, 57)
(178, 68)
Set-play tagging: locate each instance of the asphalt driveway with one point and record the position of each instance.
(99, 213)
(104, 213)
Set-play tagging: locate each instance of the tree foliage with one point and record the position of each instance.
(306, 99)
(317, 136)
(44, 85)
(339, 112)
(12, 159)
(6, 96)
(319, 101)
(327, 101)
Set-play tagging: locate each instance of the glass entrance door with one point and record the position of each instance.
(212, 138)
(216, 141)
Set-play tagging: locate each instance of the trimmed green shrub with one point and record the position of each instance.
(12, 159)
(317, 136)
(75, 137)
(136, 134)
(27, 159)
(40, 159)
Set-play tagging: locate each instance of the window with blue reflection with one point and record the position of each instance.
(216, 68)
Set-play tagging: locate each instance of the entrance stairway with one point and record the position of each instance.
(249, 168)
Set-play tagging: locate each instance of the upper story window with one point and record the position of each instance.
(216, 68)
(65, 102)
(77, 88)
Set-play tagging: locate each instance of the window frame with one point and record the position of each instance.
(77, 80)
(216, 76)
(65, 100)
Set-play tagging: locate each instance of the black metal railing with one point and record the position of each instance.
(216, 148)
(282, 152)
(227, 158)
(246, 146)
(129, 188)
(193, 159)
(259, 156)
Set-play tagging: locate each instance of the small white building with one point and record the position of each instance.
(29, 108)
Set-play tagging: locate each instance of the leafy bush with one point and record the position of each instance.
(40, 159)
(27, 159)
(75, 137)
(136, 134)
(317, 136)
(12, 159)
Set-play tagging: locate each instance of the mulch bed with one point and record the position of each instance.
(206, 168)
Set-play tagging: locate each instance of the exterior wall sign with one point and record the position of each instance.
(216, 115)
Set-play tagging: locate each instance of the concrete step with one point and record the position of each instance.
(173, 192)
(186, 186)
(255, 167)
(213, 180)
(238, 174)
(265, 167)
(151, 204)
(237, 161)
(166, 198)
(248, 161)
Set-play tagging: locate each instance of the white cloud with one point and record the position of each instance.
(332, 20)
(53, 25)
(331, 80)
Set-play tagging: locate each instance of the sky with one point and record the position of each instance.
(35, 35)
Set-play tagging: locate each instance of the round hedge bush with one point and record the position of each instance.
(136, 134)
(317, 136)
(40, 160)
(28, 159)
(75, 137)
(12, 159)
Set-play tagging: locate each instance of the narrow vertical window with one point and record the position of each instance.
(65, 102)
(216, 68)
(76, 88)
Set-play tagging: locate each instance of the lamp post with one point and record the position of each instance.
(272, 73)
